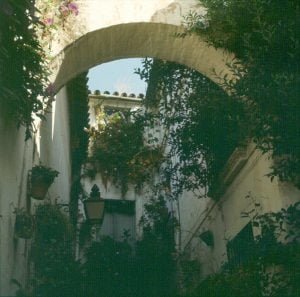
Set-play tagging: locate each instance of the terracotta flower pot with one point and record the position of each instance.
(39, 189)
(41, 178)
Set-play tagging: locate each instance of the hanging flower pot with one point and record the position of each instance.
(24, 225)
(41, 179)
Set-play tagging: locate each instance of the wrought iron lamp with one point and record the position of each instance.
(94, 206)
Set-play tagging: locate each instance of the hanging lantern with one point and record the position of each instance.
(94, 206)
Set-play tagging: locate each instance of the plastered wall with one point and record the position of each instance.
(224, 217)
(51, 146)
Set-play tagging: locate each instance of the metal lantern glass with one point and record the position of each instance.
(94, 206)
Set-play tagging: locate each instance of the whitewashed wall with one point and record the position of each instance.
(53, 149)
(224, 218)
(15, 161)
(16, 158)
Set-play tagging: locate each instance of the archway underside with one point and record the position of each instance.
(131, 40)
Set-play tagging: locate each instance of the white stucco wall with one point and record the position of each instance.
(16, 158)
(55, 147)
(15, 161)
(224, 218)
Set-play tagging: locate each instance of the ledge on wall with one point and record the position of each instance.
(233, 166)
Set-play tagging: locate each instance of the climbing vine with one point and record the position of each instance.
(120, 154)
(156, 249)
(79, 121)
(25, 45)
(204, 124)
(23, 72)
(264, 36)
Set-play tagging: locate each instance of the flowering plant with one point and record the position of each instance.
(57, 19)
(120, 154)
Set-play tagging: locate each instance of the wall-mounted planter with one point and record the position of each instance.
(24, 225)
(41, 178)
(39, 190)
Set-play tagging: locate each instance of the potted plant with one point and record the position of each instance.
(24, 224)
(41, 179)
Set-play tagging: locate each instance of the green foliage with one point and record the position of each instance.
(155, 251)
(23, 75)
(243, 281)
(24, 225)
(264, 35)
(120, 155)
(189, 273)
(43, 174)
(148, 269)
(79, 121)
(55, 269)
(109, 269)
(204, 124)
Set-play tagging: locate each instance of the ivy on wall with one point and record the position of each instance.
(77, 91)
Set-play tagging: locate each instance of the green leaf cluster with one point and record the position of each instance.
(120, 154)
(264, 35)
(23, 74)
(79, 121)
(203, 123)
(109, 269)
(147, 269)
(55, 269)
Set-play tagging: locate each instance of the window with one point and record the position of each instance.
(119, 216)
(240, 249)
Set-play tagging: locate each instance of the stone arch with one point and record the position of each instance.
(141, 39)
